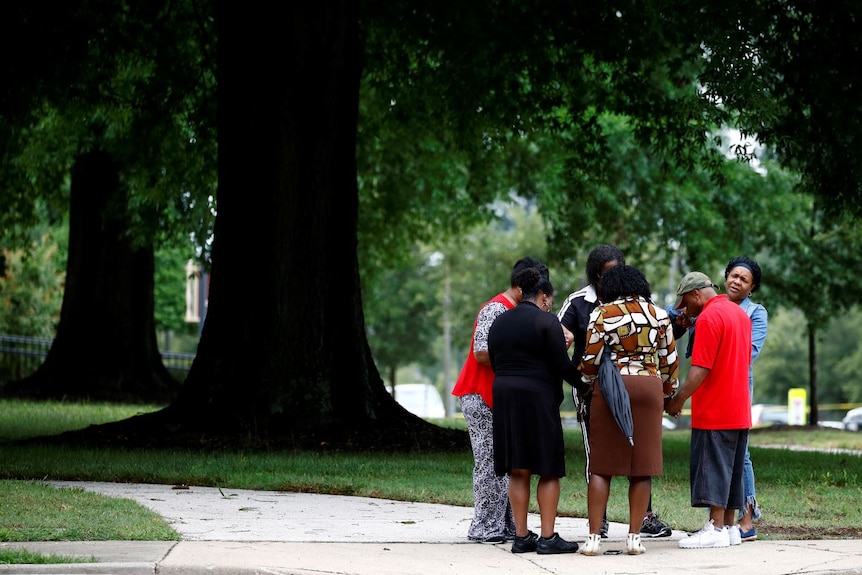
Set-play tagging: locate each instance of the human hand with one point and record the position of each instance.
(673, 406)
(570, 337)
(683, 320)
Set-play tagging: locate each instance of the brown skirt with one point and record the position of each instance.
(610, 452)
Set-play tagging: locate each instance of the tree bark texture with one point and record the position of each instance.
(283, 351)
(105, 347)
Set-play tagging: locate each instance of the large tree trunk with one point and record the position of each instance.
(283, 359)
(283, 353)
(105, 347)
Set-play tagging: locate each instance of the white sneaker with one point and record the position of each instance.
(634, 545)
(734, 535)
(707, 538)
(592, 545)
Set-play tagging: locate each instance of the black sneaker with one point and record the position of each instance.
(555, 544)
(604, 529)
(525, 544)
(493, 540)
(652, 526)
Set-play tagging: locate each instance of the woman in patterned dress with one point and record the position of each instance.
(639, 337)
(492, 514)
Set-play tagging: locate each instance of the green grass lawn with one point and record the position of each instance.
(804, 494)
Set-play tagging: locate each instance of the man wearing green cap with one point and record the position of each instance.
(717, 383)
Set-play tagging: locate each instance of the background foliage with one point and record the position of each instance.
(487, 131)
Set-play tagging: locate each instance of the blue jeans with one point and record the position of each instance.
(748, 475)
(748, 488)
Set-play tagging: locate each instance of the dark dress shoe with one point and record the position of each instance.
(555, 544)
(525, 544)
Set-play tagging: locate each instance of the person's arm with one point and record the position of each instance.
(567, 313)
(482, 357)
(696, 375)
(679, 320)
(668, 362)
(593, 345)
(486, 317)
(559, 354)
(759, 320)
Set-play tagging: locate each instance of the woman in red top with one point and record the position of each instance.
(492, 514)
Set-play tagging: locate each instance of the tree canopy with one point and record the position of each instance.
(537, 98)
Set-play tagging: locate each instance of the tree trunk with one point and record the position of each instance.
(105, 347)
(812, 374)
(283, 353)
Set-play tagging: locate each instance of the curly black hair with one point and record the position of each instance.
(524, 263)
(599, 256)
(533, 280)
(749, 263)
(622, 280)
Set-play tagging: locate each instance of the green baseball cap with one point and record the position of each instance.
(690, 282)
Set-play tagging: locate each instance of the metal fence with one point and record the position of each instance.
(20, 356)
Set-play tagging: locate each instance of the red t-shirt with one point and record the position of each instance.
(723, 346)
(475, 377)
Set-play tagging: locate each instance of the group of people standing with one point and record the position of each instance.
(510, 392)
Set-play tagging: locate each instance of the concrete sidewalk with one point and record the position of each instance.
(240, 532)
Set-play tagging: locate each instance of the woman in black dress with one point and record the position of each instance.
(527, 349)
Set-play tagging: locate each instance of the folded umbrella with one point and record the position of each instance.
(615, 393)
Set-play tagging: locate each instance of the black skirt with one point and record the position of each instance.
(528, 432)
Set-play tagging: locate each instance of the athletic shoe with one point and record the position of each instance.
(733, 534)
(525, 544)
(707, 538)
(493, 540)
(652, 526)
(555, 544)
(634, 545)
(603, 531)
(592, 545)
(750, 535)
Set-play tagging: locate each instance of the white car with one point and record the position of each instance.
(420, 399)
(764, 415)
(831, 424)
(853, 420)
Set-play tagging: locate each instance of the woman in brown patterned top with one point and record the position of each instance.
(639, 337)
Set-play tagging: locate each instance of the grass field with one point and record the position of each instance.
(804, 493)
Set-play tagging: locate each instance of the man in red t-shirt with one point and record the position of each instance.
(717, 383)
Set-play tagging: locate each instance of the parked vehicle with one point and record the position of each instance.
(420, 399)
(853, 420)
(764, 415)
(831, 424)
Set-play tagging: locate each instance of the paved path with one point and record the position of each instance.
(243, 532)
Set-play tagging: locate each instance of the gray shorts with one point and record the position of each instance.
(715, 467)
